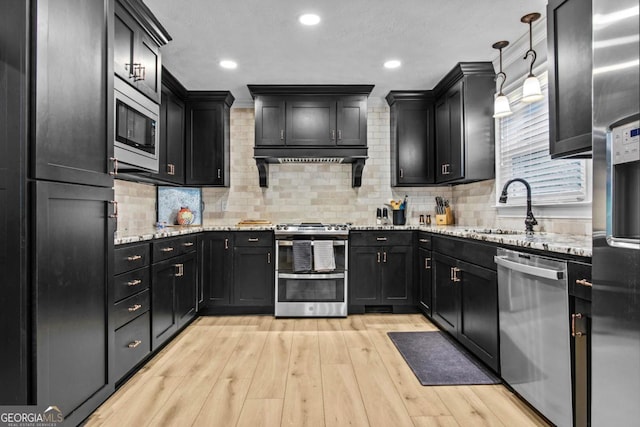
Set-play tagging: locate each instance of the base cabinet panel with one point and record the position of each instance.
(163, 320)
(132, 345)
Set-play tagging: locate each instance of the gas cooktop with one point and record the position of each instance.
(312, 228)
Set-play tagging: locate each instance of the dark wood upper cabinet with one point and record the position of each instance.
(270, 120)
(351, 121)
(207, 142)
(412, 138)
(310, 122)
(569, 58)
(464, 134)
(172, 131)
(72, 109)
(136, 55)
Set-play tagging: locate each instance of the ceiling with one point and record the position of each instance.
(349, 46)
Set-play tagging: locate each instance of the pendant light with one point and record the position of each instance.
(531, 91)
(501, 106)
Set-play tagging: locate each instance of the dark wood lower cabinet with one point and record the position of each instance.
(425, 282)
(253, 276)
(173, 296)
(73, 273)
(446, 305)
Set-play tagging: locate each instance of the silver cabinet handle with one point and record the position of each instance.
(424, 240)
(219, 173)
(135, 282)
(179, 270)
(575, 333)
(339, 135)
(528, 269)
(333, 134)
(115, 209)
(268, 257)
(426, 264)
(282, 134)
(226, 243)
(584, 282)
(168, 249)
(401, 173)
(134, 307)
(134, 344)
(381, 239)
(134, 257)
(384, 256)
(454, 272)
(378, 257)
(311, 276)
(253, 239)
(188, 244)
(171, 169)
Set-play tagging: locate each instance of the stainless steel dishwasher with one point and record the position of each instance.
(535, 358)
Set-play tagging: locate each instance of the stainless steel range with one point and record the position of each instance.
(311, 270)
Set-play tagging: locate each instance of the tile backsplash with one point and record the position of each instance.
(323, 192)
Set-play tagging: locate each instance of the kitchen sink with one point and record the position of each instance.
(492, 231)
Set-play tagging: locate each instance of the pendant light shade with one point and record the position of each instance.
(531, 91)
(501, 106)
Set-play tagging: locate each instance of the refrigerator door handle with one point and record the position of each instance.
(617, 242)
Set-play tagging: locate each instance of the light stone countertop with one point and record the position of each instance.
(550, 242)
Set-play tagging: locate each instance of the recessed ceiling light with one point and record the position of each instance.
(227, 63)
(309, 19)
(393, 63)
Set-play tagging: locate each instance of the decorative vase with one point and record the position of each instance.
(184, 216)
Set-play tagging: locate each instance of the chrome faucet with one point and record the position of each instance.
(530, 221)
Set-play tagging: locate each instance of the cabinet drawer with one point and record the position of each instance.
(132, 344)
(130, 283)
(424, 240)
(167, 248)
(131, 257)
(130, 308)
(378, 238)
(254, 238)
(466, 250)
(580, 280)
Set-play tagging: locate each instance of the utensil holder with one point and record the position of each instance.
(446, 218)
(398, 217)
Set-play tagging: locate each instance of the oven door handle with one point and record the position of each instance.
(290, 242)
(311, 276)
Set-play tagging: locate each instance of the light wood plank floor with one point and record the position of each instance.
(260, 371)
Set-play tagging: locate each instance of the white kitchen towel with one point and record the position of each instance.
(324, 258)
(301, 256)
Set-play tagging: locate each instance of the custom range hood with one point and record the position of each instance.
(310, 124)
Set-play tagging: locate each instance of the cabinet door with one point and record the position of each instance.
(186, 288)
(443, 154)
(351, 122)
(270, 121)
(449, 135)
(446, 294)
(72, 96)
(414, 138)
(396, 284)
(253, 276)
(570, 58)
(163, 314)
(311, 122)
(147, 54)
(425, 281)
(171, 152)
(124, 37)
(216, 255)
(204, 162)
(478, 329)
(364, 275)
(73, 271)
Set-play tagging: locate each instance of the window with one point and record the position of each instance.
(523, 152)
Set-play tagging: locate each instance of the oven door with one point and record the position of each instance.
(311, 287)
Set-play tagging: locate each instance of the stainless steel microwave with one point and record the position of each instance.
(137, 129)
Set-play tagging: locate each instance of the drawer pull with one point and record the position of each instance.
(135, 282)
(134, 344)
(169, 249)
(424, 240)
(134, 257)
(584, 282)
(574, 332)
(381, 239)
(188, 244)
(135, 307)
(253, 239)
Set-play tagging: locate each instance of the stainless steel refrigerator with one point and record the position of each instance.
(615, 367)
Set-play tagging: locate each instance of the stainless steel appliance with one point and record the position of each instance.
(533, 297)
(615, 326)
(304, 287)
(136, 129)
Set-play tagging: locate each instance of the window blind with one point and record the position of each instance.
(524, 153)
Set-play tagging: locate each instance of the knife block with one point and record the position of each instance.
(446, 218)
